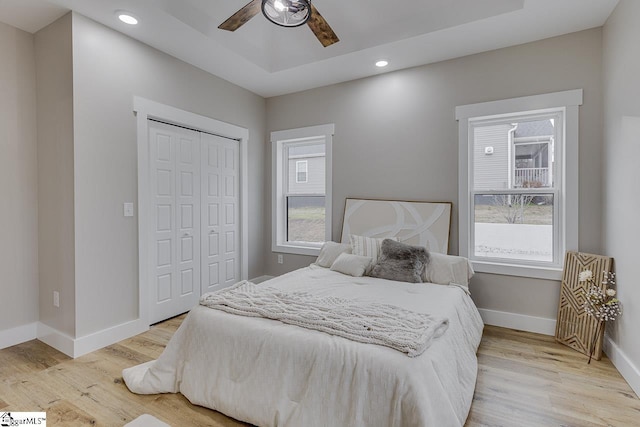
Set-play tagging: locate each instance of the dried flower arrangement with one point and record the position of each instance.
(601, 304)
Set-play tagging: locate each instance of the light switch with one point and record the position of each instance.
(128, 209)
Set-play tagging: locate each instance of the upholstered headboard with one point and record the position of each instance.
(415, 223)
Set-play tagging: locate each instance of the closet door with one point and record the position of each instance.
(220, 212)
(175, 183)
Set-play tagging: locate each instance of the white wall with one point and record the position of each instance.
(109, 69)
(621, 152)
(396, 137)
(18, 182)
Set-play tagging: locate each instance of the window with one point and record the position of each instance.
(302, 168)
(302, 189)
(518, 180)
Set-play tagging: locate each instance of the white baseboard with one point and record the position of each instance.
(623, 364)
(56, 339)
(100, 339)
(76, 347)
(261, 279)
(18, 335)
(522, 322)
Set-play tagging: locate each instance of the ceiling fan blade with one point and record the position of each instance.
(321, 28)
(242, 16)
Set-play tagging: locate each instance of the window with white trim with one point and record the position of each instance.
(302, 189)
(518, 183)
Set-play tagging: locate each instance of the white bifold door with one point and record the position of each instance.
(220, 216)
(195, 201)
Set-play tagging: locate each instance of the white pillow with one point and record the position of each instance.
(448, 269)
(353, 265)
(330, 251)
(368, 246)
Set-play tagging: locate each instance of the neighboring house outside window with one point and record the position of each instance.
(302, 170)
(518, 183)
(302, 189)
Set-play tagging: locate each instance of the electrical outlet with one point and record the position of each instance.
(128, 209)
(56, 299)
(280, 258)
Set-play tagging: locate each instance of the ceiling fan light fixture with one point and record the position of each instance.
(287, 13)
(279, 6)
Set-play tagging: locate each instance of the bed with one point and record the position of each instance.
(270, 373)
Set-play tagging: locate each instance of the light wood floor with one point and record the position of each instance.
(524, 379)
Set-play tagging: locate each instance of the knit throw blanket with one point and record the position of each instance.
(373, 323)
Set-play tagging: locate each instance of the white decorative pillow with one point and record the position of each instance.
(448, 269)
(353, 265)
(368, 246)
(330, 252)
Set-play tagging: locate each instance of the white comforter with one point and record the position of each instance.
(272, 374)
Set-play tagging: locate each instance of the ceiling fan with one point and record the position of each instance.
(286, 13)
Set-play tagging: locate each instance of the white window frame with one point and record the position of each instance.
(565, 195)
(279, 170)
(299, 170)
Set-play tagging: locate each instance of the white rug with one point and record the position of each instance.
(146, 420)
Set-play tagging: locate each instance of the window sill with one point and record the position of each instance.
(548, 273)
(297, 250)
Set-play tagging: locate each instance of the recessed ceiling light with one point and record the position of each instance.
(381, 64)
(127, 17)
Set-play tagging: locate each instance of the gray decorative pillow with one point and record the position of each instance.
(400, 262)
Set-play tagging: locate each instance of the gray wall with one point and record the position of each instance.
(18, 180)
(396, 137)
(109, 68)
(621, 153)
(55, 174)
